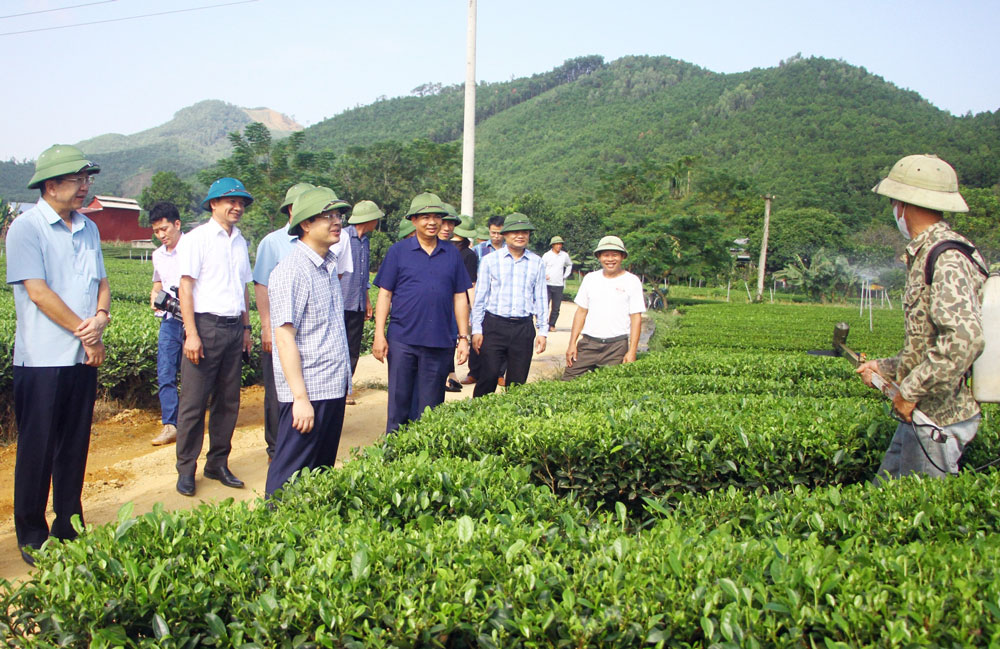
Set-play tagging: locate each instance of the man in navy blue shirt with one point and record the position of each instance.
(423, 281)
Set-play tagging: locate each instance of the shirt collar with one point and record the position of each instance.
(171, 253)
(52, 217)
(213, 224)
(913, 248)
(416, 245)
(311, 255)
(506, 251)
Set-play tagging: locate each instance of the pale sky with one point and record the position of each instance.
(312, 59)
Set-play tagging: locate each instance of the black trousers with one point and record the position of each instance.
(505, 343)
(297, 450)
(354, 322)
(54, 407)
(555, 301)
(271, 405)
(215, 379)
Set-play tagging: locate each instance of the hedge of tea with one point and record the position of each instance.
(715, 494)
(455, 553)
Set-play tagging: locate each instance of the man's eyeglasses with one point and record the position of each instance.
(81, 180)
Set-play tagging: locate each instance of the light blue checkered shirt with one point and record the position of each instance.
(511, 288)
(304, 291)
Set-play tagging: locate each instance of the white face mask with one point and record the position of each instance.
(898, 209)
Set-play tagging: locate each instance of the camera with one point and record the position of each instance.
(166, 302)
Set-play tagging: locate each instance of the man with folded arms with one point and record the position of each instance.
(313, 371)
(215, 304)
(609, 308)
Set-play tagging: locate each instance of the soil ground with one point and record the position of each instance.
(123, 466)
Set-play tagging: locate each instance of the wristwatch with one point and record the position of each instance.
(464, 337)
(105, 311)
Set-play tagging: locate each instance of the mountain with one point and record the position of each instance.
(816, 132)
(195, 138)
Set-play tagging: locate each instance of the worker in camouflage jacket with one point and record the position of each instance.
(944, 332)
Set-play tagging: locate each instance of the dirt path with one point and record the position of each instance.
(123, 467)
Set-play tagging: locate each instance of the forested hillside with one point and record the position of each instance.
(195, 138)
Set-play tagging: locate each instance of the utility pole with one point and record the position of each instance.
(763, 246)
(469, 130)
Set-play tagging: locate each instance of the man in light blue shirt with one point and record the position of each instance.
(62, 298)
(510, 308)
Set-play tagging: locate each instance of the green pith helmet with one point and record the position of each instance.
(364, 212)
(612, 243)
(483, 233)
(426, 203)
(406, 228)
(924, 180)
(310, 203)
(451, 214)
(294, 192)
(554, 240)
(466, 228)
(516, 222)
(60, 160)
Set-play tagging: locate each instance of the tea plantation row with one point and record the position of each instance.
(712, 494)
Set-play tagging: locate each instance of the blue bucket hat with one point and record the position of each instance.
(224, 187)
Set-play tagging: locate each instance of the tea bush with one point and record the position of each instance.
(715, 494)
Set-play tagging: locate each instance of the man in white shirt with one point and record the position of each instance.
(558, 267)
(166, 223)
(215, 303)
(609, 314)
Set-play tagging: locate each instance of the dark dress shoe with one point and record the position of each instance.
(185, 485)
(453, 386)
(28, 559)
(225, 476)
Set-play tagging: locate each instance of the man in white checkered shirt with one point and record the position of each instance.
(313, 371)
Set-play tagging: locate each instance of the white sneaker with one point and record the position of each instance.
(167, 436)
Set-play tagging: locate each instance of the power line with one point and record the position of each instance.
(115, 20)
(45, 11)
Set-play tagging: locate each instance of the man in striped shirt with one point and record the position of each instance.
(508, 317)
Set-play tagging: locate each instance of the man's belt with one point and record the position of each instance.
(605, 341)
(221, 320)
(526, 318)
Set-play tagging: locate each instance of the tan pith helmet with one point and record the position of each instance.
(610, 243)
(924, 180)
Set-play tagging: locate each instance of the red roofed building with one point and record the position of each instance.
(117, 218)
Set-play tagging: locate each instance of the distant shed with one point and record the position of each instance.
(117, 218)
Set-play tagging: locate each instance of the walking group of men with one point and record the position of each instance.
(493, 303)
